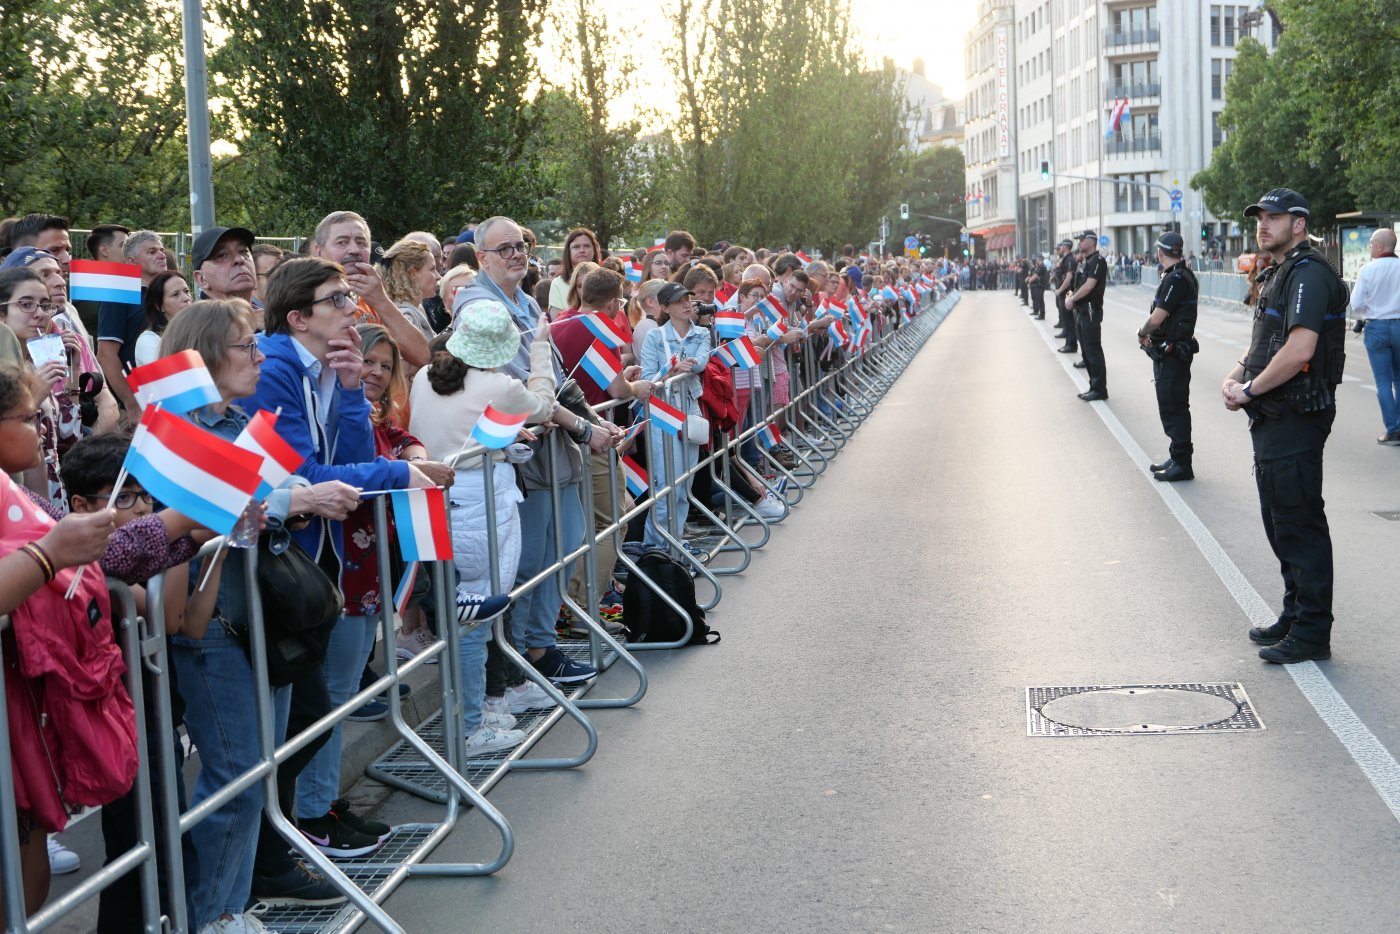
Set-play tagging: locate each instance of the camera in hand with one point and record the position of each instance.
(704, 308)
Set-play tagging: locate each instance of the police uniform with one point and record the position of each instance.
(1036, 282)
(1064, 272)
(1171, 347)
(1088, 320)
(1288, 427)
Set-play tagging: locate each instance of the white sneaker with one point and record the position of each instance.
(529, 696)
(487, 741)
(495, 713)
(238, 925)
(413, 643)
(62, 860)
(770, 507)
(253, 924)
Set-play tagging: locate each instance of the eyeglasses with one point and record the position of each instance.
(126, 498)
(32, 418)
(28, 305)
(507, 250)
(338, 299)
(250, 348)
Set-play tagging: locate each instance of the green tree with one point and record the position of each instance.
(933, 186)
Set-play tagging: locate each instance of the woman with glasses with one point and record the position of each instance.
(166, 296)
(657, 265)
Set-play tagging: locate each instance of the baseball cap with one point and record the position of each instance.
(672, 292)
(24, 257)
(1280, 201)
(1089, 234)
(1171, 243)
(1068, 243)
(205, 243)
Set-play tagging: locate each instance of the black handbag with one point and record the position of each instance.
(300, 604)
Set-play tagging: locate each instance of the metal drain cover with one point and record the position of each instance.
(1127, 709)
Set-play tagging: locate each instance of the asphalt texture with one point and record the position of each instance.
(853, 756)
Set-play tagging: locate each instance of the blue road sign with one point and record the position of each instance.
(911, 242)
(1176, 207)
(1103, 240)
(1176, 195)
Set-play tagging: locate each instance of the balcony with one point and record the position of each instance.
(1136, 92)
(1149, 142)
(1120, 38)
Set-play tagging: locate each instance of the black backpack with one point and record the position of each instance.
(649, 618)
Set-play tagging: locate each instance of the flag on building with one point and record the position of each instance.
(192, 471)
(180, 383)
(604, 330)
(1116, 116)
(636, 478)
(601, 364)
(279, 459)
(420, 521)
(729, 324)
(94, 281)
(668, 418)
(496, 429)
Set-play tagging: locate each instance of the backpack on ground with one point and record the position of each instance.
(649, 618)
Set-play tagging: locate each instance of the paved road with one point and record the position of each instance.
(853, 756)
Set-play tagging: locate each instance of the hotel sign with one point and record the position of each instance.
(1003, 96)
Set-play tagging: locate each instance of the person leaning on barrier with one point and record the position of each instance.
(1376, 301)
(1086, 301)
(1169, 338)
(1061, 280)
(1286, 384)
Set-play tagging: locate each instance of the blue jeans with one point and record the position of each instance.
(472, 649)
(1382, 340)
(216, 682)
(532, 619)
(347, 651)
(683, 457)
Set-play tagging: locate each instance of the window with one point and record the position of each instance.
(1215, 25)
(1220, 71)
(1217, 136)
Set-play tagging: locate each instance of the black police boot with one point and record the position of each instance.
(1060, 335)
(1272, 634)
(1290, 650)
(1174, 472)
(1162, 466)
(1080, 365)
(1094, 395)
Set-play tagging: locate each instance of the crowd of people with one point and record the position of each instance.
(377, 363)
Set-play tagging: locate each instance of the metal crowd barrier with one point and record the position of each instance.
(829, 400)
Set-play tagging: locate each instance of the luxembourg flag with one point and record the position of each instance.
(496, 429)
(636, 478)
(1117, 115)
(729, 324)
(768, 436)
(604, 330)
(405, 589)
(634, 272)
(194, 472)
(632, 432)
(667, 418)
(601, 364)
(179, 382)
(745, 353)
(279, 459)
(727, 355)
(94, 281)
(420, 517)
(836, 309)
(771, 309)
(838, 330)
(804, 257)
(889, 294)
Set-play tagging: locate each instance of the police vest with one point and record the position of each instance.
(1312, 388)
(1181, 320)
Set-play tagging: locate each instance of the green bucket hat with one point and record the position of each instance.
(485, 337)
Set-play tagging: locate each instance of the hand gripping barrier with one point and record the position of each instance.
(832, 395)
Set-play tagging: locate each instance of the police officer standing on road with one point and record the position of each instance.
(1169, 338)
(1061, 280)
(1286, 384)
(1086, 301)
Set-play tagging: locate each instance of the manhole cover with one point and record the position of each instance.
(1127, 709)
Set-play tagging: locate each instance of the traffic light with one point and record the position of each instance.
(924, 247)
(965, 251)
(1205, 231)
(904, 212)
(1045, 170)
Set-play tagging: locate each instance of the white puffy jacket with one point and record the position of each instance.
(469, 540)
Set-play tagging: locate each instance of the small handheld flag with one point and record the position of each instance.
(839, 331)
(768, 435)
(776, 331)
(194, 472)
(601, 364)
(280, 459)
(604, 330)
(745, 353)
(420, 517)
(496, 429)
(405, 589)
(667, 418)
(94, 281)
(803, 256)
(772, 309)
(727, 355)
(636, 478)
(729, 324)
(632, 432)
(634, 272)
(179, 382)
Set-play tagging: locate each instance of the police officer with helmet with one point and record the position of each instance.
(1086, 301)
(1168, 337)
(1286, 384)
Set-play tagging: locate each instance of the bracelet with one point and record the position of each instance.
(587, 432)
(42, 559)
(415, 458)
(1247, 393)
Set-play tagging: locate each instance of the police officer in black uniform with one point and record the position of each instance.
(1086, 301)
(1060, 280)
(1035, 281)
(1169, 337)
(1286, 384)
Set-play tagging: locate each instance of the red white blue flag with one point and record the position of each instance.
(601, 364)
(839, 331)
(772, 309)
(179, 382)
(634, 272)
(1117, 115)
(776, 331)
(405, 589)
(496, 429)
(727, 355)
(94, 281)
(768, 435)
(604, 330)
(729, 324)
(280, 459)
(668, 418)
(804, 257)
(420, 519)
(636, 478)
(745, 353)
(192, 471)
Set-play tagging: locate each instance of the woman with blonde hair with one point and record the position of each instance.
(410, 275)
(580, 273)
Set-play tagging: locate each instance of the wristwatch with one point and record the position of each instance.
(1247, 393)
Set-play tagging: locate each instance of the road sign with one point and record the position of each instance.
(962, 237)
(911, 242)
(1176, 195)
(1176, 207)
(1103, 240)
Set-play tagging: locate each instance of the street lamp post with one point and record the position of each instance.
(197, 119)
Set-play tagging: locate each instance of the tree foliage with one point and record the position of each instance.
(933, 186)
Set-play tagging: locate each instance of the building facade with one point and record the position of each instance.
(989, 151)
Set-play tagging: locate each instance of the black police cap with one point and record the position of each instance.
(1280, 201)
(1171, 243)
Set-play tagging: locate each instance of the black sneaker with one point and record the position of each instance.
(370, 828)
(296, 886)
(1174, 472)
(336, 838)
(1272, 634)
(1290, 651)
(558, 667)
(1162, 466)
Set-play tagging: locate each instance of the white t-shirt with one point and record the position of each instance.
(147, 348)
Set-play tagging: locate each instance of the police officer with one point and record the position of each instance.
(1035, 281)
(1061, 279)
(1286, 384)
(1168, 336)
(1086, 301)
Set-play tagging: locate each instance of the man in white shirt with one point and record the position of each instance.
(1376, 298)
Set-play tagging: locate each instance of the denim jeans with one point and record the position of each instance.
(536, 611)
(348, 650)
(684, 456)
(216, 682)
(1382, 339)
